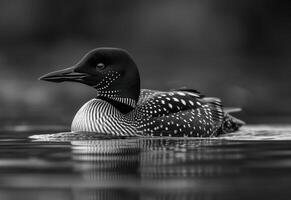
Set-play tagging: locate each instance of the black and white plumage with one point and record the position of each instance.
(122, 108)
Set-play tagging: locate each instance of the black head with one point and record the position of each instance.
(111, 71)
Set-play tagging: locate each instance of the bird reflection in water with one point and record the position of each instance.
(169, 168)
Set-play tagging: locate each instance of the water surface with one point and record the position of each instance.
(254, 163)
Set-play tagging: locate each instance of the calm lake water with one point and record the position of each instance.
(254, 163)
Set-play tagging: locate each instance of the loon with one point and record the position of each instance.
(121, 108)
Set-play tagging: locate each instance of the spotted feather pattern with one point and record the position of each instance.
(158, 113)
(180, 114)
(160, 103)
(108, 79)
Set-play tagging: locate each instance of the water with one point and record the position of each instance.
(254, 163)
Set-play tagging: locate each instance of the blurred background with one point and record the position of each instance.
(237, 50)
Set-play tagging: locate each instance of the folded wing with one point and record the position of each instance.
(179, 113)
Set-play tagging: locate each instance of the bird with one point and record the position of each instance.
(122, 108)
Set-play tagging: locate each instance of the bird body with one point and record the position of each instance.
(122, 108)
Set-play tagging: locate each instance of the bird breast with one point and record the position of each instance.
(101, 117)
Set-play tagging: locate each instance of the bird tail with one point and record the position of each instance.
(231, 123)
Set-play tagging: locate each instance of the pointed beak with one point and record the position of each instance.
(67, 74)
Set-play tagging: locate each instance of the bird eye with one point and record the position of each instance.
(100, 66)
